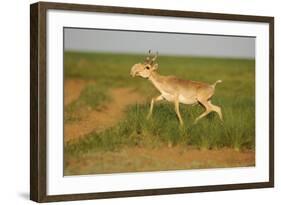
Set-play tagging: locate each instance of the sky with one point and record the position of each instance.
(115, 41)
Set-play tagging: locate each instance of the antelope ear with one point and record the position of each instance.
(155, 66)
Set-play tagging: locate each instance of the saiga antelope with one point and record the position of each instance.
(176, 90)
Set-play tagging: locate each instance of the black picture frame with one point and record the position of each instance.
(38, 101)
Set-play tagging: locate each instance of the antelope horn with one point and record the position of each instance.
(148, 58)
(155, 57)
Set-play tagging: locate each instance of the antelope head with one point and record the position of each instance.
(145, 69)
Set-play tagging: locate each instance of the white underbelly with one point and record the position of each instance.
(182, 99)
(185, 100)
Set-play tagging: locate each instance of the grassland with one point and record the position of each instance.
(236, 96)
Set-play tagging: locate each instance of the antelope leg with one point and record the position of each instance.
(217, 109)
(178, 110)
(160, 97)
(207, 111)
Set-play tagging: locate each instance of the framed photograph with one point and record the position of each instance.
(134, 102)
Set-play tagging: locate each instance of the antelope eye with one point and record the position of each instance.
(147, 67)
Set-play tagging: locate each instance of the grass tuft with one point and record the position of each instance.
(92, 97)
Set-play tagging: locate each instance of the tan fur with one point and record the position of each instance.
(177, 90)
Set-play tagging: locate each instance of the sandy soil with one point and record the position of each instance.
(136, 159)
(97, 120)
(72, 89)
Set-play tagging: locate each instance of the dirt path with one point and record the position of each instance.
(99, 120)
(72, 89)
(136, 159)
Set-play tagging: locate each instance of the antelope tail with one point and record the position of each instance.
(218, 81)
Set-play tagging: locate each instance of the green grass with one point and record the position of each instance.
(92, 96)
(236, 96)
(163, 129)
